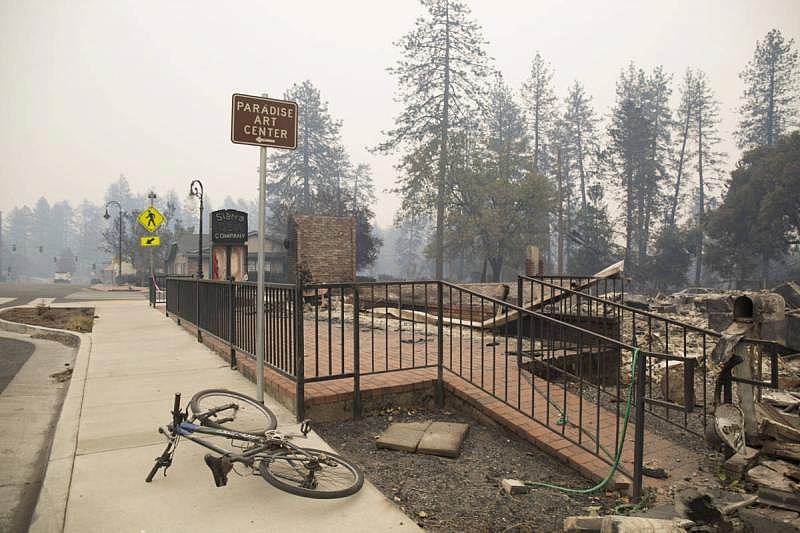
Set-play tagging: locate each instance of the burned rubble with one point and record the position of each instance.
(754, 374)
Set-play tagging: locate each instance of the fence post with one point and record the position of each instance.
(638, 447)
(356, 355)
(299, 352)
(520, 322)
(197, 310)
(166, 297)
(439, 393)
(232, 320)
(179, 301)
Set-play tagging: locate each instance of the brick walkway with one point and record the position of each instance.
(482, 372)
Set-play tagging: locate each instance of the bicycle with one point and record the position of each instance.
(250, 426)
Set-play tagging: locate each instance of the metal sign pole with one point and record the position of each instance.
(262, 185)
(262, 122)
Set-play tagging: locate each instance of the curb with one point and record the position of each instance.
(49, 514)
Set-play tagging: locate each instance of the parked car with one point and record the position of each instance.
(62, 277)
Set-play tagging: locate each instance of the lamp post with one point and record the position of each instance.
(119, 244)
(196, 189)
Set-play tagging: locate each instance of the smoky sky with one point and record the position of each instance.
(95, 89)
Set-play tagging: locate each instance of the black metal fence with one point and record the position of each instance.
(227, 311)
(555, 354)
(678, 354)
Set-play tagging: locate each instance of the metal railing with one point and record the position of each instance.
(227, 311)
(678, 353)
(537, 358)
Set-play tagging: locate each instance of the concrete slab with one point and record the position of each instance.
(404, 436)
(443, 438)
(125, 376)
(109, 493)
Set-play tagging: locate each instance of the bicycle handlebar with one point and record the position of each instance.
(176, 411)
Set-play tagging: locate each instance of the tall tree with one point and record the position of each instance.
(685, 112)
(580, 136)
(299, 178)
(412, 233)
(769, 102)
(639, 144)
(318, 178)
(706, 133)
(20, 237)
(503, 205)
(440, 78)
(540, 100)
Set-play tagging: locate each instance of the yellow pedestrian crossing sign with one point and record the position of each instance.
(150, 219)
(152, 240)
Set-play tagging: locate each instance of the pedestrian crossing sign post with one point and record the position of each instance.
(152, 240)
(150, 219)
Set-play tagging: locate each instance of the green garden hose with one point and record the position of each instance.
(618, 456)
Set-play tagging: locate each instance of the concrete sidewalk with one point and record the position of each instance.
(107, 439)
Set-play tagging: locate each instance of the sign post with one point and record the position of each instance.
(262, 122)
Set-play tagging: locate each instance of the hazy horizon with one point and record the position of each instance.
(98, 89)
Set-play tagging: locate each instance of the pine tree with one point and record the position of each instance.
(770, 99)
(540, 100)
(580, 136)
(440, 78)
(20, 233)
(639, 144)
(300, 181)
(706, 134)
(412, 233)
(318, 178)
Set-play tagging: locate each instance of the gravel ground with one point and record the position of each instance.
(463, 494)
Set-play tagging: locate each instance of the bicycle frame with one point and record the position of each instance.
(187, 429)
(180, 427)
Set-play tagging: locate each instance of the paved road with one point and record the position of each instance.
(12, 294)
(29, 405)
(13, 354)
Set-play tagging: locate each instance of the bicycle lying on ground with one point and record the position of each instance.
(250, 427)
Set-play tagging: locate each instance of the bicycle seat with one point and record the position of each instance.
(220, 466)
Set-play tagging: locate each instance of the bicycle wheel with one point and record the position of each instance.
(224, 409)
(311, 473)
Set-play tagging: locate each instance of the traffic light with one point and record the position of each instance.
(94, 266)
(55, 260)
(13, 247)
(41, 249)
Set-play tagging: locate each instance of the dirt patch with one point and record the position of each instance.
(463, 494)
(80, 319)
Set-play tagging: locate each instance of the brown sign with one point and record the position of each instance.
(263, 121)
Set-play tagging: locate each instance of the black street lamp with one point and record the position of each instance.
(196, 189)
(119, 247)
